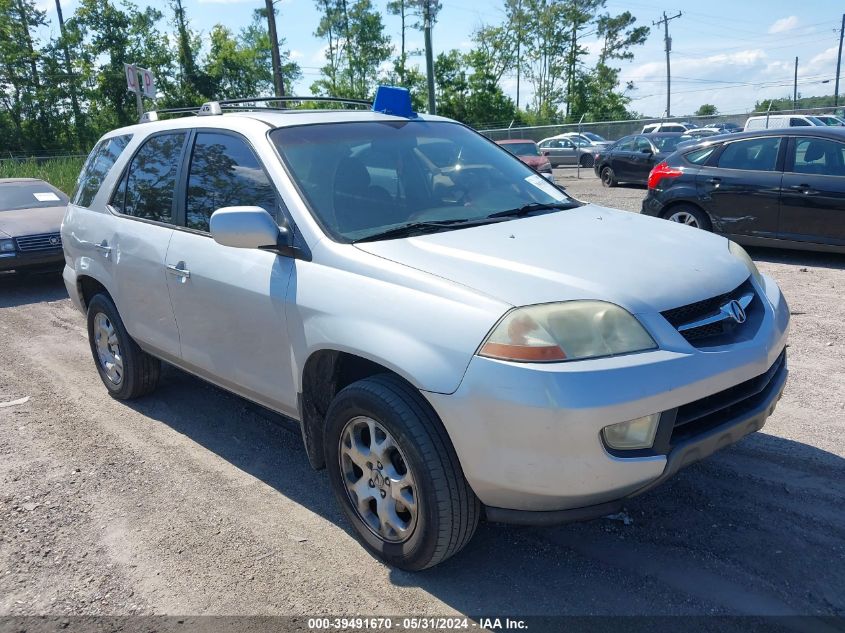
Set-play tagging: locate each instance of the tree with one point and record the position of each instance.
(707, 109)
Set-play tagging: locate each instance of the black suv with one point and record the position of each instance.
(769, 188)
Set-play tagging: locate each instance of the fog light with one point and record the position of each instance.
(633, 434)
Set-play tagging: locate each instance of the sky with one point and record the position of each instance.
(728, 53)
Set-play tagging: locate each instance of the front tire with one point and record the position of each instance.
(587, 161)
(608, 178)
(396, 475)
(126, 370)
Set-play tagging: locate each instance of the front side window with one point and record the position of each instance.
(758, 154)
(643, 145)
(97, 166)
(818, 156)
(148, 188)
(224, 172)
(364, 179)
(626, 144)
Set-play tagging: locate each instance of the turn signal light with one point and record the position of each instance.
(661, 171)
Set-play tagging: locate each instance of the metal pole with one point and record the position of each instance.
(578, 158)
(838, 63)
(278, 82)
(519, 47)
(668, 42)
(429, 56)
(795, 87)
(139, 100)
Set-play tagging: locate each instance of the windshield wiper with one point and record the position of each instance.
(530, 208)
(419, 228)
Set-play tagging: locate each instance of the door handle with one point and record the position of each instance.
(714, 181)
(179, 270)
(803, 188)
(104, 248)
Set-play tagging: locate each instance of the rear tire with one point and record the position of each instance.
(126, 370)
(429, 499)
(608, 178)
(689, 215)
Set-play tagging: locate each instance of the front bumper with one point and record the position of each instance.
(53, 258)
(528, 436)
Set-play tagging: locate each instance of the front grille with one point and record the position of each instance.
(714, 333)
(43, 242)
(711, 411)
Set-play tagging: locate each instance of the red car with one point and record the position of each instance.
(528, 152)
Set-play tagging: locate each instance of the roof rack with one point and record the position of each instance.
(214, 108)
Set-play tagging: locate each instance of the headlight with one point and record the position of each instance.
(739, 252)
(7, 246)
(573, 330)
(633, 434)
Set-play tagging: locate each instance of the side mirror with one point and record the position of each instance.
(545, 152)
(646, 151)
(247, 227)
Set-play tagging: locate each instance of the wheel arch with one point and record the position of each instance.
(87, 287)
(667, 210)
(324, 374)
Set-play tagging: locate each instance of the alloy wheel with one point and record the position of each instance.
(108, 349)
(378, 481)
(684, 217)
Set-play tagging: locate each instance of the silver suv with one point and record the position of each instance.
(457, 337)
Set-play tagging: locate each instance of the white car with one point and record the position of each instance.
(652, 128)
(457, 337)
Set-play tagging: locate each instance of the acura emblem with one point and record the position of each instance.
(734, 310)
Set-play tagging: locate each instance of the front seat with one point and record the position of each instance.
(357, 204)
(815, 151)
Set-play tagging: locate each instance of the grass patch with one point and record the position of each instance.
(59, 172)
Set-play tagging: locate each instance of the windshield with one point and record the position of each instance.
(666, 143)
(522, 149)
(29, 195)
(593, 137)
(361, 179)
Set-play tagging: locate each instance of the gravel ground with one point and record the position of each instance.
(193, 501)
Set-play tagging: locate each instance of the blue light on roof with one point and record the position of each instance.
(393, 100)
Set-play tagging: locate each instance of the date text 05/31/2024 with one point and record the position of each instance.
(415, 623)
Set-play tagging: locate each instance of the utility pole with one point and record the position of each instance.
(429, 56)
(278, 82)
(838, 63)
(519, 47)
(795, 87)
(71, 80)
(668, 42)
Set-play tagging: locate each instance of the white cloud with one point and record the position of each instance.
(295, 54)
(784, 24)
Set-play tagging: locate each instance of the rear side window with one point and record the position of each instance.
(699, 156)
(97, 166)
(818, 156)
(148, 188)
(796, 122)
(758, 154)
(224, 173)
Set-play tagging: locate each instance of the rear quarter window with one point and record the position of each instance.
(699, 156)
(97, 166)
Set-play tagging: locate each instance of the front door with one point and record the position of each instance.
(741, 191)
(813, 191)
(230, 302)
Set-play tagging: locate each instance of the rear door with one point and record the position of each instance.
(230, 302)
(621, 157)
(740, 186)
(145, 201)
(813, 192)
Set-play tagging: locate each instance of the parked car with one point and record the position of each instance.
(778, 121)
(31, 212)
(586, 139)
(672, 126)
(456, 341)
(565, 151)
(528, 152)
(693, 136)
(631, 158)
(725, 126)
(772, 188)
(830, 120)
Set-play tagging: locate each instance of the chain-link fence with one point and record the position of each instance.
(613, 130)
(39, 156)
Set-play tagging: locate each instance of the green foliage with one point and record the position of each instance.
(707, 109)
(59, 172)
(785, 103)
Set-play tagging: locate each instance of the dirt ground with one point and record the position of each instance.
(193, 501)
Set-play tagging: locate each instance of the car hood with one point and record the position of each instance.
(641, 263)
(31, 221)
